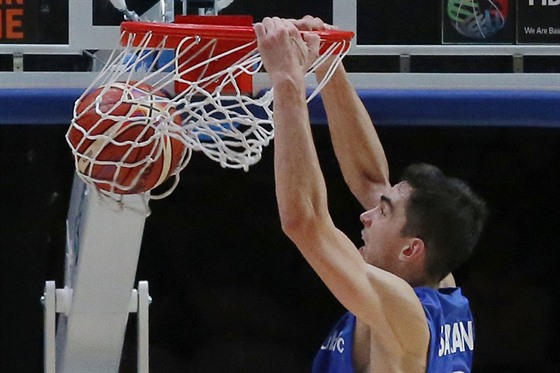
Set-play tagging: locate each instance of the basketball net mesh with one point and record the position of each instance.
(215, 115)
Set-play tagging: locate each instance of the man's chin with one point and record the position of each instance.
(361, 250)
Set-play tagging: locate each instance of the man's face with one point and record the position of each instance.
(382, 228)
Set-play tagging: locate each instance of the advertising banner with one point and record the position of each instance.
(478, 22)
(538, 22)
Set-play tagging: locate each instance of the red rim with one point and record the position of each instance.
(176, 32)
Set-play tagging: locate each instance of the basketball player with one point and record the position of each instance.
(399, 319)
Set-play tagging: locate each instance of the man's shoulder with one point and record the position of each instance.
(441, 303)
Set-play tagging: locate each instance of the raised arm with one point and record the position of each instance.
(373, 295)
(354, 138)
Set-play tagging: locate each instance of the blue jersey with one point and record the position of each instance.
(451, 329)
(451, 335)
(335, 354)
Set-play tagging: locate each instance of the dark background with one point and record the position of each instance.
(232, 294)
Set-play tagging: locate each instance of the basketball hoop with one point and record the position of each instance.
(195, 74)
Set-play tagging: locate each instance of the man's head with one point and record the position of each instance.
(445, 214)
(423, 227)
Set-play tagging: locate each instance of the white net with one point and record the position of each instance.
(155, 102)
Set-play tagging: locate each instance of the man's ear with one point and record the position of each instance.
(415, 249)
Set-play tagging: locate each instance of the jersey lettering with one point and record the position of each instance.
(456, 338)
(334, 343)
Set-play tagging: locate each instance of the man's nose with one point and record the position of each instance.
(365, 218)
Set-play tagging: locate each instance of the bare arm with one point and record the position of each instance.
(373, 295)
(355, 140)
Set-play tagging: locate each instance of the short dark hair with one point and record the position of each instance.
(446, 214)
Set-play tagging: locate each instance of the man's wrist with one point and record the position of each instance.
(322, 70)
(284, 78)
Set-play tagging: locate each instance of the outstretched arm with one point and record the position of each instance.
(373, 295)
(300, 187)
(354, 138)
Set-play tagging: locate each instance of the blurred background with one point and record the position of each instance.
(230, 292)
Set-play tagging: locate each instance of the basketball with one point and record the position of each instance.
(125, 138)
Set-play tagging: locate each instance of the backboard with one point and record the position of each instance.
(419, 83)
(72, 37)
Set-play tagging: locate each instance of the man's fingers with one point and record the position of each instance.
(259, 30)
(282, 45)
(313, 42)
(310, 23)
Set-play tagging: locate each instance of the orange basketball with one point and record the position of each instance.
(119, 139)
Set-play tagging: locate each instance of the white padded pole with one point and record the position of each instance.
(102, 256)
(144, 301)
(49, 344)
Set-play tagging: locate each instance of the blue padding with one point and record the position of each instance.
(37, 106)
(527, 108)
